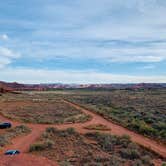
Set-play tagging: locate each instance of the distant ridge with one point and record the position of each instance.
(5, 86)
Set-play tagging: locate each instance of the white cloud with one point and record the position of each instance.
(6, 52)
(106, 19)
(4, 37)
(76, 30)
(6, 56)
(100, 51)
(131, 54)
(4, 62)
(45, 76)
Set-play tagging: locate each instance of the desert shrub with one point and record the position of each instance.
(20, 129)
(37, 147)
(122, 146)
(84, 118)
(95, 135)
(70, 131)
(143, 161)
(132, 145)
(146, 160)
(63, 133)
(124, 140)
(51, 130)
(130, 153)
(146, 129)
(67, 132)
(115, 161)
(106, 143)
(81, 118)
(137, 162)
(49, 143)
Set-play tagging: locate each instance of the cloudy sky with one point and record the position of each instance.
(83, 41)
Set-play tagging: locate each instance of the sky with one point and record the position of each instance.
(83, 41)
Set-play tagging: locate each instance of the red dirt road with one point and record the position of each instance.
(23, 142)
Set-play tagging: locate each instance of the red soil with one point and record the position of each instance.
(22, 143)
(25, 160)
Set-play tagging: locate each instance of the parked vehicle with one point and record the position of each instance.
(5, 125)
(12, 152)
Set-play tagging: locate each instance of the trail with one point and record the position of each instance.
(23, 142)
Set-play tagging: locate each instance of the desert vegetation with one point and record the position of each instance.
(68, 147)
(44, 108)
(143, 111)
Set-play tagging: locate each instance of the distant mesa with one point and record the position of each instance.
(14, 86)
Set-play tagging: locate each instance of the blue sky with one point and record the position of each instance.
(83, 41)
